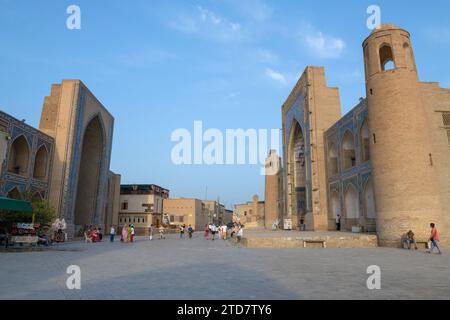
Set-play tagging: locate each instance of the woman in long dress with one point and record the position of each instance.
(129, 234)
(124, 233)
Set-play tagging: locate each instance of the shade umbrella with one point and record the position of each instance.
(15, 205)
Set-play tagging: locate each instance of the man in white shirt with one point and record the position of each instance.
(224, 232)
(240, 233)
(213, 231)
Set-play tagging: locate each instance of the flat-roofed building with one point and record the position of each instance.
(186, 211)
(141, 205)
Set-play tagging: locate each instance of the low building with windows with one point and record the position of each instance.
(186, 211)
(250, 214)
(142, 206)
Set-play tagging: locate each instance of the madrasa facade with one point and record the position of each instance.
(66, 160)
(384, 167)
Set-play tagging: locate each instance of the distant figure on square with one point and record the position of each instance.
(410, 239)
(132, 232)
(129, 233)
(213, 231)
(434, 238)
(338, 222)
(112, 233)
(190, 231)
(207, 232)
(161, 233)
(224, 232)
(182, 231)
(240, 233)
(150, 232)
(124, 233)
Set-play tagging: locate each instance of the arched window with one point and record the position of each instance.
(19, 154)
(14, 194)
(348, 151)
(365, 141)
(40, 163)
(386, 58)
(369, 200)
(332, 160)
(335, 204)
(351, 201)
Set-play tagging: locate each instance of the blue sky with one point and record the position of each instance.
(160, 65)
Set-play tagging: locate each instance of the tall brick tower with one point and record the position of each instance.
(405, 184)
(273, 194)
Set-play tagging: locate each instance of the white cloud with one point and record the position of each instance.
(253, 9)
(207, 23)
(265, 56)
(184, 24)
(276, 76)
(439, 35)
(351, 76)
(233, 95)
(146, 58)
(322, 45)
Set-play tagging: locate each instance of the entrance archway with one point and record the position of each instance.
(297, 175)
(89, 173)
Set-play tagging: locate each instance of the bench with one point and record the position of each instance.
(322, 242)
(425, 243)
(21, 240)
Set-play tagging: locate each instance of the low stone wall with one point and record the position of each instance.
(332, 241)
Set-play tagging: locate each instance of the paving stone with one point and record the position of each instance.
(200, 269)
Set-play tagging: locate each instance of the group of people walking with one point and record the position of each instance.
(126, 235)
(184, 229)
(223, 231)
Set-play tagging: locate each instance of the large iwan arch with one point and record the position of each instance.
(89, 173)
(297, 174)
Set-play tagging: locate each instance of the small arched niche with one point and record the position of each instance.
(19, 155)
(348, 151)
(15, 194)
(41, 163)
(365, 142)
(332, 160)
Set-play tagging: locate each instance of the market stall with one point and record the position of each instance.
(20, 232)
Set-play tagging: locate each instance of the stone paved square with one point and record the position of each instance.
(200, 269)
